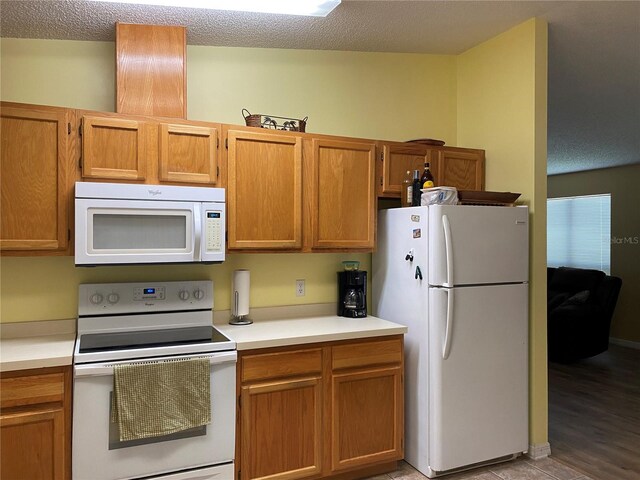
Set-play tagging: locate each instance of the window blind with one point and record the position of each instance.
(579, 232)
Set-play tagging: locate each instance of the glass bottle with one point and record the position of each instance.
(427, 177)
(416, 190)
(406, 198)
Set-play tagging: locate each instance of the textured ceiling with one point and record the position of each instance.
(594, 50)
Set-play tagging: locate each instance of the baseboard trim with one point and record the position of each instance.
(539, 451)
(624, 343)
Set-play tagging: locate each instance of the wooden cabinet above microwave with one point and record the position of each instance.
(147, 150)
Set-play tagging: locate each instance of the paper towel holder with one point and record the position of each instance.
(238, 319)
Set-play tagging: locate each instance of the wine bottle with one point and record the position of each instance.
(406, 198)
(416, 189)
(427, 177)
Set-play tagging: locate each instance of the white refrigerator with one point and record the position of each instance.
(457, 276)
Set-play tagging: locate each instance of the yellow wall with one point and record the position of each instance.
(622, 183)
(375, 95)
(387, 96)
(490, 97)
(502, 103)
(47, 288)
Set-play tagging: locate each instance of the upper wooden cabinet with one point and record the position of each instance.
(264, 190)
(35, 424)
(462, 168)
(297, 192)
(36, 187)
(149, 150)
(342, 194)
(114, 148)
(188, 153)
(396, 159)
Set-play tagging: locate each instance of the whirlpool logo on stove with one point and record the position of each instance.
(154, 193)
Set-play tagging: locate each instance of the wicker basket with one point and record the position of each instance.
(274, 122)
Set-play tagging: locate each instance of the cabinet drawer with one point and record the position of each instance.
(367, 353)
(281, 364)
(32, 389)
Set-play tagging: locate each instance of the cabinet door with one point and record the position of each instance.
(35, 188)
(113, 149)
(33, 444)
(397, 158)
(342, 191)
(462, 168)
(367, 417)
(188, 154)
(264, 188)
(282, 429)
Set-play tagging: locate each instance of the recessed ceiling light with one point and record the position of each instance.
(316, 8)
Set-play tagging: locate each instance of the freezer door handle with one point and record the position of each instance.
(448, 330)
(448, 250)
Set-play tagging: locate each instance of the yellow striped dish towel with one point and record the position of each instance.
(153, 399)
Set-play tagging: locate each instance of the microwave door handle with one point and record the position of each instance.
(197, 231)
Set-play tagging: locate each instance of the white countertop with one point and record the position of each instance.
(50, 344)
(295, 331)
(36, 352)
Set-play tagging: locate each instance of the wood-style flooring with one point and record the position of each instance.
(519, 469)
(594, 414)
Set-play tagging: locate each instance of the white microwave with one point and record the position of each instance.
(119, 223)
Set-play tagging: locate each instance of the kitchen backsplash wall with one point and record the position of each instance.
(47, 288)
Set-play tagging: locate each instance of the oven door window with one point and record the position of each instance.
(131, 230)
(114, 433)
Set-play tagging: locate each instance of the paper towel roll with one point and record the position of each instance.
(241, 279)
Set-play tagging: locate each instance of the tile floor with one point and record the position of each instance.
(520, 469)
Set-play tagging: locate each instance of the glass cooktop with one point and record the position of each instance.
(105, 342)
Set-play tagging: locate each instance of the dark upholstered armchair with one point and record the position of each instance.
(580, 304)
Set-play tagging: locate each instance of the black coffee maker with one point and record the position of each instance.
(352, 293)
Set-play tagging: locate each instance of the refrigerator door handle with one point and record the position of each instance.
(448, 331)
(448, 250)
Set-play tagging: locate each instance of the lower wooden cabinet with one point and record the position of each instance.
(282, 431)
(35, 424)
(321, 411)
(367, 417)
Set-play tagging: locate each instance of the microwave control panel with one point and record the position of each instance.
(214, 229)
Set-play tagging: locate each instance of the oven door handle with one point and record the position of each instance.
(102, 369)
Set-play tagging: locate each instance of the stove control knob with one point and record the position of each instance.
(183, 295)
(198, 294)
(113, 298)
(96, 298)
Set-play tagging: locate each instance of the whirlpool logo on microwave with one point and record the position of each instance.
(154, 193)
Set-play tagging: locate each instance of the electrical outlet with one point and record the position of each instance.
(300, 288)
